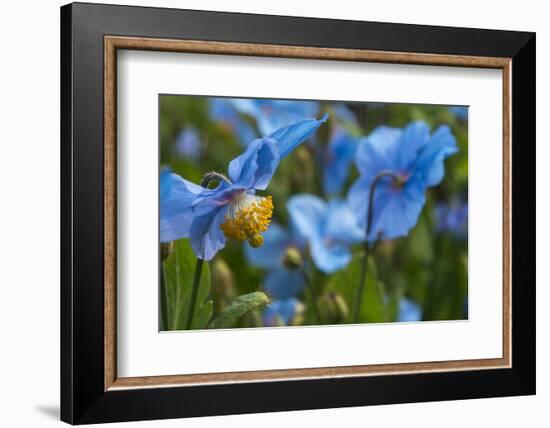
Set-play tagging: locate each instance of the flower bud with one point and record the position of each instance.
(166, 250)
(292, 258)
(223, 284)
(333, 308)
(305, 172)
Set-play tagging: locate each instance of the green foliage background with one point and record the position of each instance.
(428, 267)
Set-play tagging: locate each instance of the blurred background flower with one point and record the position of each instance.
(329, 229)
(188, 144)
(409, 311)
(281, 257)
(271, 115)
(338, 158)
(224, 112)
(452, 217)
(460, 112)
(402, 164)
(283, 312)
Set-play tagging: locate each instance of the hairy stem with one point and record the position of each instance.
(213, 176)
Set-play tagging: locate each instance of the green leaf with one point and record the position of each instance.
(238, 308)
(346, 282)
(178, 271)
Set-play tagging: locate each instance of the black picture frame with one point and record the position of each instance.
(83, 397)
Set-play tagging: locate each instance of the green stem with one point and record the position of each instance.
(370, 212)
(313, 295)
(194, 292)
(361, 287)
(163, 300)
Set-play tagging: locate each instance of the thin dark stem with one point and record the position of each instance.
(313, 295)
(194, 292)
(370, 212)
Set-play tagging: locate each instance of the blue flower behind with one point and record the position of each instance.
(282, 312)
(329, 229)
(281, 282)
(271, 115)
(224, 112)
(208, 216)
(409, 311)
(459, 112)
(452, 217)
(338, 158)
(415, 159)
(188, 143)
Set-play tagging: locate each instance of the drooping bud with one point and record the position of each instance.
(299, 314)
(292, 258)
(305, 172)
(333, 308)
(223, 284)
(165, 250)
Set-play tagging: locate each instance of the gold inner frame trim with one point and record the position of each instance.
(113, 43)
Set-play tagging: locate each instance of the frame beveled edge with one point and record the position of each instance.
(112, 43)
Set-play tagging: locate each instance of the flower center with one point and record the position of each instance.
(399, 181)
(247, 217)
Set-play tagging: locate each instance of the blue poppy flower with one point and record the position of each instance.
(188, 143)
(415, 159)
(338, 157)
(329, 229)
(208, 216)
(409, 311)
(281, 282)
(460, 112)
(222, 111)
(453, 218)
(271, 115)
(282, 312)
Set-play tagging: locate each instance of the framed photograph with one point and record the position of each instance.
(265, 213)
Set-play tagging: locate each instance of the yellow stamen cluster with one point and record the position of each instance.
(246, 219)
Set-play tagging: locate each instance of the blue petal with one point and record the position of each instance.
(283, 283)
(176, 198)
(283, 310)
(329, 256)
(378, 151)
(308, 214)
(358, 199)
(271, 253)
(206, 235)
(341, 224)
(290, 137)
(430, 162)
(409, 311)
(255, 167)
(165, 183)
(217, 196)
(414, 137)
(396, 211)
(340, 153)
